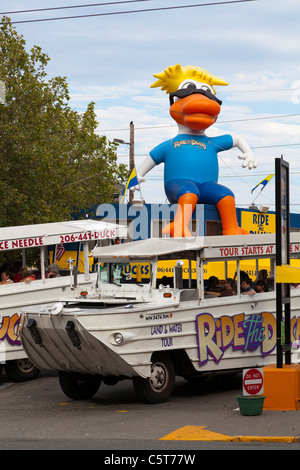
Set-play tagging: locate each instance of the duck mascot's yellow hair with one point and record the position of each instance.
(172, 76)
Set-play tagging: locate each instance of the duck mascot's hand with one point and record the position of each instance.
(145, 167)
(249, 160)
(140, 179)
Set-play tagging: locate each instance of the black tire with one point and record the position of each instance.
(21, 370)
(160, 385)
(79, 386)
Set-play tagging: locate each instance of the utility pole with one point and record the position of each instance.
(131, 156)
(131, 153)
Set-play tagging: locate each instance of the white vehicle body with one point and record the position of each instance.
(151, 333)
(15, 296)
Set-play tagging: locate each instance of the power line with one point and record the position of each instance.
(260, 118)
(227, 2)
(261, 90)
(221, 176)
(133, 95)
(278, 116)
(276, 146)
(72, 6)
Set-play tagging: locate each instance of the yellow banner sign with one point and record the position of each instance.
(257, 222)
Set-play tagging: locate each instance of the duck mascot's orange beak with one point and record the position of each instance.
(195, 111)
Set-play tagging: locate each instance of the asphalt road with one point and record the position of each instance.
(36, 415)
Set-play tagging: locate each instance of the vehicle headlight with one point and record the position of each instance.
(118, 338)
(121, 338)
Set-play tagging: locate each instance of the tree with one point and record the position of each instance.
(52, 162)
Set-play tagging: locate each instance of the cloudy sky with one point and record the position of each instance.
(111, 58)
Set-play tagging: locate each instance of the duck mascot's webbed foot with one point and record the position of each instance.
(227, 211)
(191, 158)
(179, 227)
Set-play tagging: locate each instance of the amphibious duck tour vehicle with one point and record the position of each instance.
(42, 288)
(132, 325)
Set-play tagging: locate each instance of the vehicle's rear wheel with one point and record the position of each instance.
(21, 370)
(79, 386)
(160, 385)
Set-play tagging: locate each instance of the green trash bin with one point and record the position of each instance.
(251, 405)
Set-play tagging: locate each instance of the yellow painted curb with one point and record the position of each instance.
(195, 433)
(200, 433)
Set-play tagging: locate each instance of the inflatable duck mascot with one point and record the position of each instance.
(190, 159)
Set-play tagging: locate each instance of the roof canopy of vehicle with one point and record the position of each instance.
(25, 236)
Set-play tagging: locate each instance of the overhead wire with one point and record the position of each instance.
(147, 10)
(34, 10)
(278, 116)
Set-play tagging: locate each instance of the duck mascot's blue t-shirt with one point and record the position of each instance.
(191, 165)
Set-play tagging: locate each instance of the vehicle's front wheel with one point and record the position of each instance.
(160, 385)
(79, 386)
(20, 370)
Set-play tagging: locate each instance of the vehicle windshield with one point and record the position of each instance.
(125, 273)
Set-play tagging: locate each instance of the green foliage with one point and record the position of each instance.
(52, 161)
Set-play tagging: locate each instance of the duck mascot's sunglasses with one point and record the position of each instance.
(183, 92)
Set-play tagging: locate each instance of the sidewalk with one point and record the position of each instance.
(218, 418)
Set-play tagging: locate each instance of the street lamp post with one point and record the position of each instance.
(131, 153)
